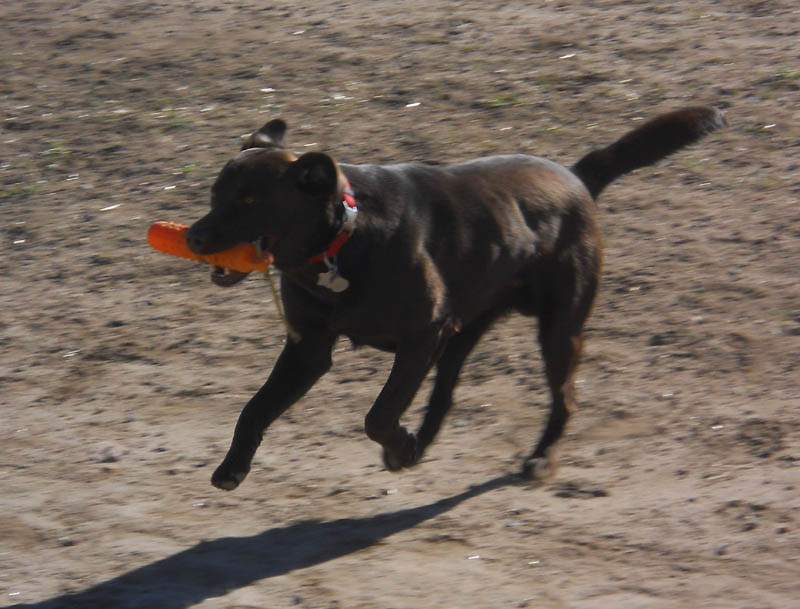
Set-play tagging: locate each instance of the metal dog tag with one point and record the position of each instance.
(332, 280)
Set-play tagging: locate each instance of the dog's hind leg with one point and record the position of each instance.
(561, 354)
(447, 373)
(561, 339)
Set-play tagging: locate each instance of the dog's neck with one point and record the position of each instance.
(345, 231)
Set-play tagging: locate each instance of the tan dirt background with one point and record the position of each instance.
(123, 371)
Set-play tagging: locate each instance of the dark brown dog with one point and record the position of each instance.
(433, 256)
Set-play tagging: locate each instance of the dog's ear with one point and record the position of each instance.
(270, 135)
(315, 173)
(275, 130)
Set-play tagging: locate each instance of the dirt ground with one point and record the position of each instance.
(123, 370)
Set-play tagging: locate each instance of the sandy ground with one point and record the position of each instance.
(123, 371)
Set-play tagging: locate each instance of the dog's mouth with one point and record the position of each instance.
(226, 278)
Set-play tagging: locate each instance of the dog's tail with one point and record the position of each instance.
(654, 140)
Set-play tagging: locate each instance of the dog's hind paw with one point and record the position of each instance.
(538, 468)
(226, 478)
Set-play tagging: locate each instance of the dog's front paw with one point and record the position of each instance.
(406, 456)
(227, 477)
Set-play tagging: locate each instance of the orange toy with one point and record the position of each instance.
(170, 238)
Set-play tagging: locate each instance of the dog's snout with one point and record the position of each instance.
(196, 239)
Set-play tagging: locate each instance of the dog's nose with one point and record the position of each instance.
(196, 239)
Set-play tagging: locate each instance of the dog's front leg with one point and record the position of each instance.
(299, 366)
(412, 362)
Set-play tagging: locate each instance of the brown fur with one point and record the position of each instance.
(438, 254)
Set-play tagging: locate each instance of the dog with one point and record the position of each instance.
(420, 260)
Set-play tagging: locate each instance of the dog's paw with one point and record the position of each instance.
(228, 478)
(405, 457)
(538, 469)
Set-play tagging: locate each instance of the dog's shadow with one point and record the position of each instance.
(215, 568)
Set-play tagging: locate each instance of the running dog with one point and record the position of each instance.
(420, 260)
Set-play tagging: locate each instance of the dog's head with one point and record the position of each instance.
(267, 195)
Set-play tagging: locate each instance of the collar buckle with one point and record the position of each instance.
(350, 213)
(347, 229)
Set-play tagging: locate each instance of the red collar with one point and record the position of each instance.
(349, 225)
